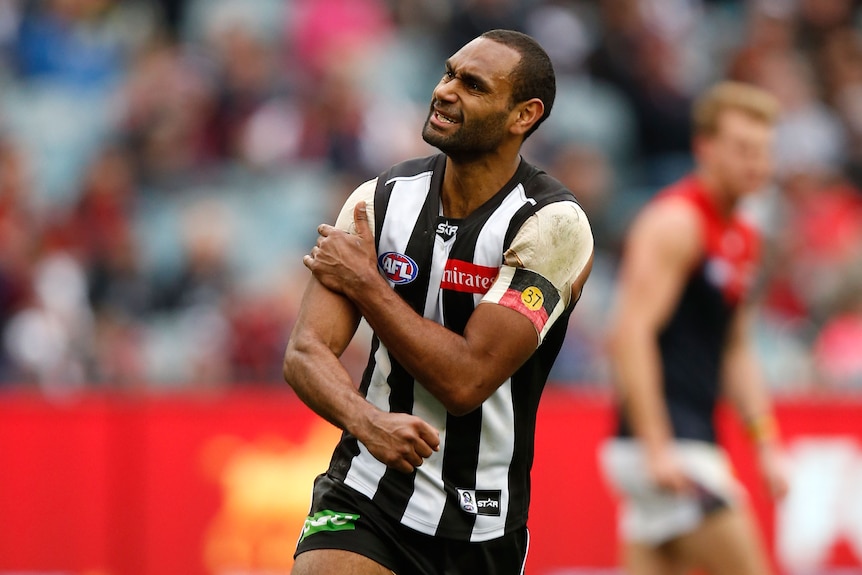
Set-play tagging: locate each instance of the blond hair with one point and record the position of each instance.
(750, 100)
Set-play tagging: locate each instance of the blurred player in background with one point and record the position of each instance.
(679, 340)
(466, 264)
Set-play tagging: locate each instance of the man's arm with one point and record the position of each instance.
(327, 322)
(746, 389)
(461, 371)
(663, 246)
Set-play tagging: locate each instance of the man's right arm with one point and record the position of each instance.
(324, 328)
(663, 245)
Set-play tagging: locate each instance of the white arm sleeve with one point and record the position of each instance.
(364, 193)
(546, 256)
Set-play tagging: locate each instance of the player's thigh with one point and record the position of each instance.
(726, 543)
(642, 559)
(336, 562)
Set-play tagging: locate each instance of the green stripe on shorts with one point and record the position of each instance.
(327, 520)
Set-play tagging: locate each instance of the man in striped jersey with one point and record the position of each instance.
(466, 265)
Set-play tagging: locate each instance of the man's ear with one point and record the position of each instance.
(529, 113)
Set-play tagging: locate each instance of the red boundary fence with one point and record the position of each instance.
(113, 485)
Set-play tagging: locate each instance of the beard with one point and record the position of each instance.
(472, 138)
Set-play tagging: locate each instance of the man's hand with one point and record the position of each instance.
(664, 469)
(344, 262)
(400, 440)
(773, 470)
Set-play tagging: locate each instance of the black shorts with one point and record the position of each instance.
(342, 518)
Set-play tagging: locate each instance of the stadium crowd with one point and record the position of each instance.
(164, 164)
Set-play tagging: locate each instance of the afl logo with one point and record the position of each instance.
(398, 268)
(467, 499)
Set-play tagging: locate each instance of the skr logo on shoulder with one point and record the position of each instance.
(398, 268)
(445, 229)
(327, 520)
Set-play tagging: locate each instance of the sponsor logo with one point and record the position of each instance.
(327, 520)
(467, 500)
(480, 501)
(733, 244)
(823, 509)
(275, 471)
(398, 268)
(468, 277)
(719, 271)
(446, 230)
(533, 298)
(733, 280)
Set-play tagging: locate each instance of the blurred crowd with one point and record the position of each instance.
(164, 164)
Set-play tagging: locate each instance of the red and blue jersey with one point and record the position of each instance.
(692, 343)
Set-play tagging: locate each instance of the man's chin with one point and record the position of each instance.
(433, 139)
(751, 189)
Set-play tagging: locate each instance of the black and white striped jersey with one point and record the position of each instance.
(477, 486)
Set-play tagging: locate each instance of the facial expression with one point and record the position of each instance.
(471, 106)
(739, 154)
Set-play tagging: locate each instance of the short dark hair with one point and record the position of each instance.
(534, 76)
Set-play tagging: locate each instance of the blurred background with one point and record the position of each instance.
(164, 165)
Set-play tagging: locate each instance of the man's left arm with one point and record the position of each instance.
(746, 389)
(461, 371)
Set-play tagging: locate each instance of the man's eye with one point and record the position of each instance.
(448, 74)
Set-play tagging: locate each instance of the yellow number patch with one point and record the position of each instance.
(532, 298)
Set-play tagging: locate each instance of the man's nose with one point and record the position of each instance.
(445, 90)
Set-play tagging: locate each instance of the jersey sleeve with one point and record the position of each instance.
(364, 193)
(547, 255)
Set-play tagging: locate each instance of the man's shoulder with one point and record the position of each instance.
(672, 225)
(684, 199)
(672, 216)
(412, 167)
(539, 184)
(686, 189)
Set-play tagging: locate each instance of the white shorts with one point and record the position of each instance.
(651, 515)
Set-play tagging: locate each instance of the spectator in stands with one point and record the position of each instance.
(50, 340)
(836, 349)
(636, 55)
(17, 243)
(168, 103)
(235, 95)
(840, 63)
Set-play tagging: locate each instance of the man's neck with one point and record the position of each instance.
(725, 200)
(469, 184)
